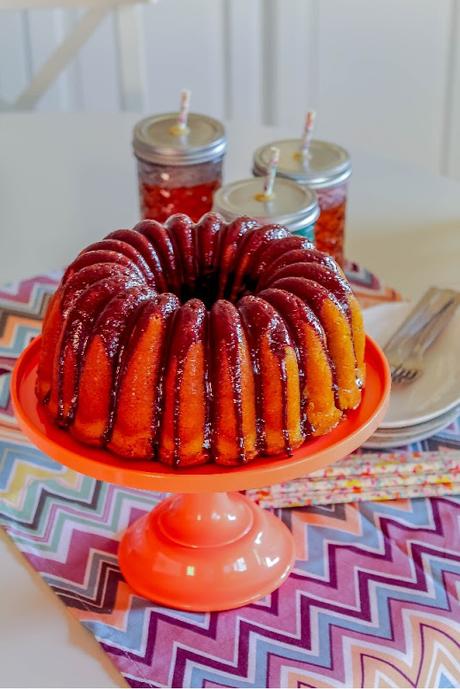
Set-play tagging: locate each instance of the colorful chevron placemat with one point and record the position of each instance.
(372, 601)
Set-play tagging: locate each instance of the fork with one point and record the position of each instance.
(406, 348)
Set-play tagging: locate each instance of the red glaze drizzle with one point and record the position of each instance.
(295, 312)
(181, 229)
(89, 276)
(314, 295)
(209, 391)
(125, 250)
(311, 292)
(324, 277)
(248, 249)
(158, 411)
(260, 317)
(244, 307)
(206, 236)
(228, 248)
(146, 250)
(100, 257)
(76, 333)
(119, 359)
(271, 251)
(297, 256)
(114, 327)
(227, 331)
(137, 323)
(158, 236)
(189, 328)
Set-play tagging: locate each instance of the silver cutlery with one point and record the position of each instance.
(407, 347)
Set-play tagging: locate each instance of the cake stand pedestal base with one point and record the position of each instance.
(206, 551)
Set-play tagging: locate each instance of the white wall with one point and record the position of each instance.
(383, 75)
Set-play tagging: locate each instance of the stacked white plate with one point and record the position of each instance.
(420, 409)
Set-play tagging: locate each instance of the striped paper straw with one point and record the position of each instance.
(184, 108)
(271, 172)
(307, 132)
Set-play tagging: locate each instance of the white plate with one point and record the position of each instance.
(419, 427)
(438, 389)
(383, 440)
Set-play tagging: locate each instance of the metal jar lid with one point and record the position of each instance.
(156, 139)
(326, 166)
(291, 205)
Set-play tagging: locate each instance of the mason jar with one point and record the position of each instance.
(326, 168)
(290, 205)
(178, 170)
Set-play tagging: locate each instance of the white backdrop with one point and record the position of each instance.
(383, 75)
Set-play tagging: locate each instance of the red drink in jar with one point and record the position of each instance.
(178, 169)
(325, 168)
(330, 227)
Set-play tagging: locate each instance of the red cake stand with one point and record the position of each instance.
(203, 548)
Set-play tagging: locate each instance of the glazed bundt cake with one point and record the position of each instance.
(195, 343)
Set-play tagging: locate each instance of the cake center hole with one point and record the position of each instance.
(207, 289)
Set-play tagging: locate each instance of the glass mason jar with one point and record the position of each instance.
(178, 171)
(326, 169)
(291, 205)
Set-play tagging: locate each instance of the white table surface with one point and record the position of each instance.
(68, 179)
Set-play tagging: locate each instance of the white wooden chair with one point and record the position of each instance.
(96, 10)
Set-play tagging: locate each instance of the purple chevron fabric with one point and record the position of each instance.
(372, 601)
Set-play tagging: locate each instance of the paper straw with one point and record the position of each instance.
(185, 96)
(396, 492)
(271, 172)
(307, 132)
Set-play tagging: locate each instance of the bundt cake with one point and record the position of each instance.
(195, 343)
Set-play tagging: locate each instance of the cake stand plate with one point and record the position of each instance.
(203, 548)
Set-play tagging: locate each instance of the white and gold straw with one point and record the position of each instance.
(181, 128)
(271, 172)
(307, 132)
